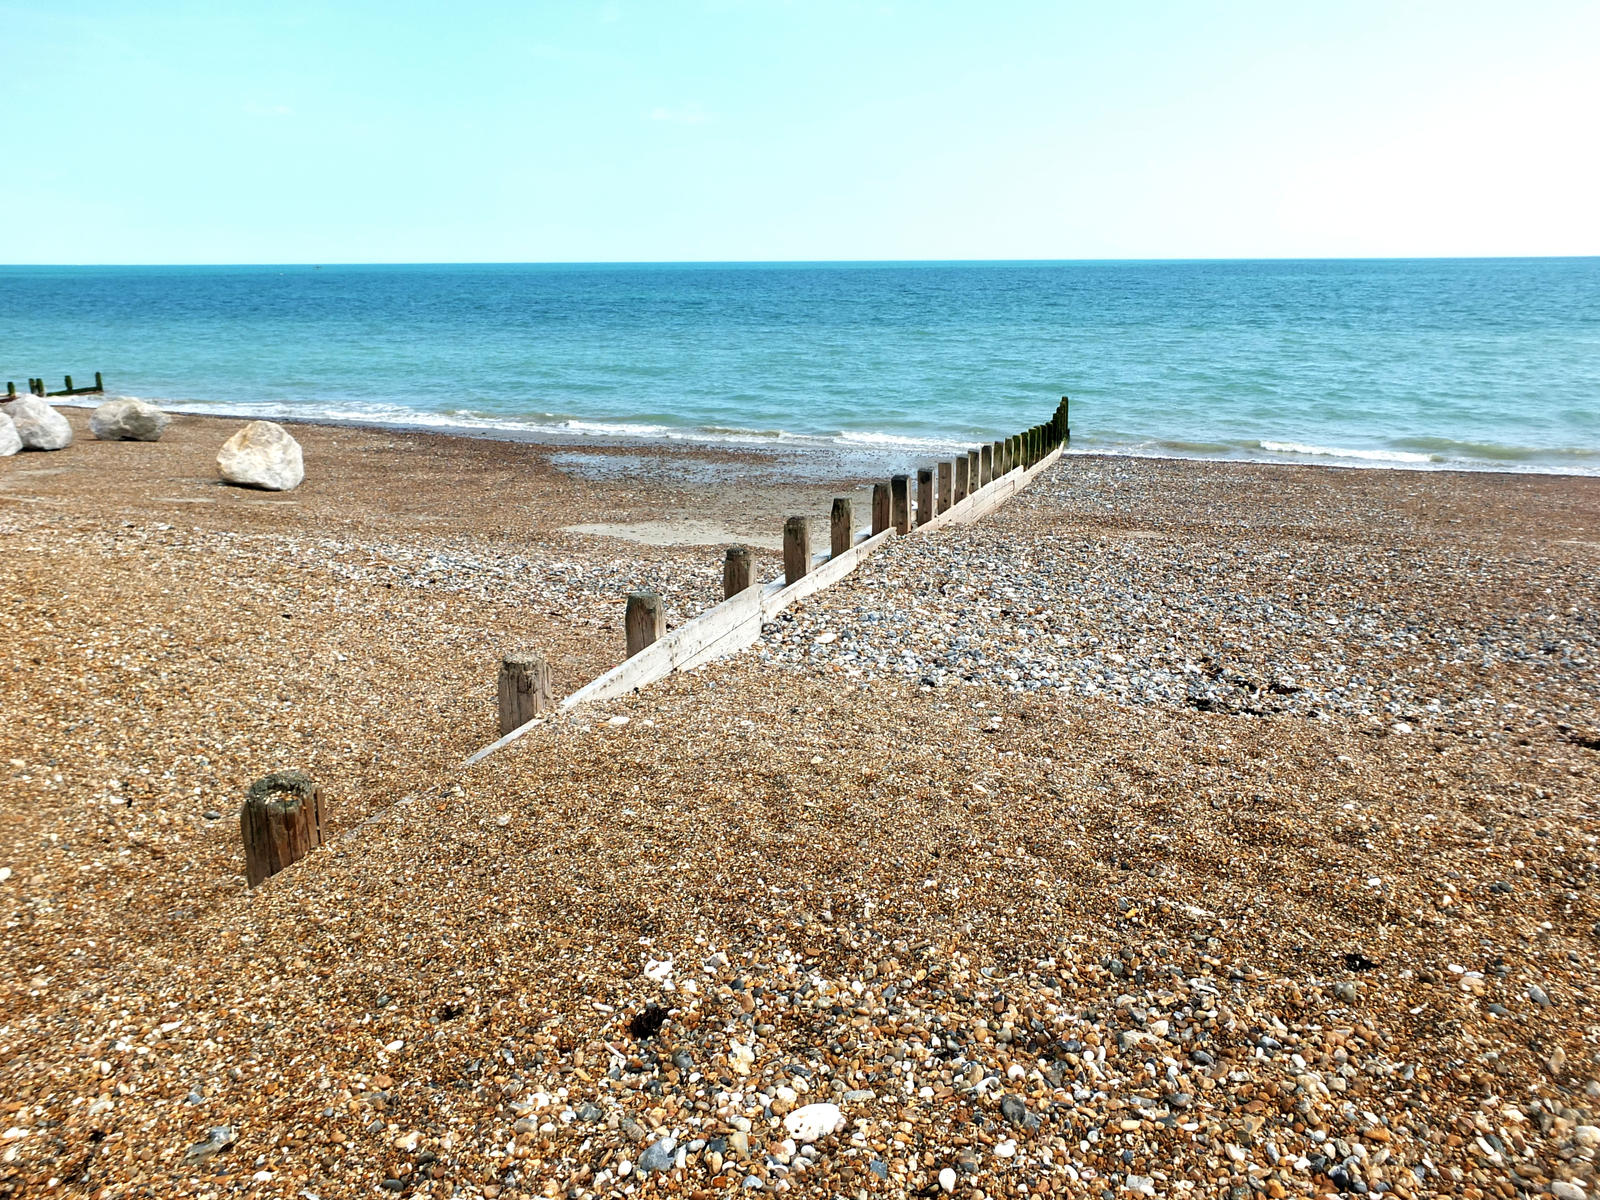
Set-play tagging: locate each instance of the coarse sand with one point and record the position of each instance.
(1182, 829)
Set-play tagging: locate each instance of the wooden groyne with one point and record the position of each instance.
(955, 492)
(36, 388)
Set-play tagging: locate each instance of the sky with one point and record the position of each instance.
(721, 130)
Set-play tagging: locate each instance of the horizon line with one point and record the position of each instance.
(798, 262)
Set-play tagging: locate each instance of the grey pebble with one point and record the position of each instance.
(660, 1156)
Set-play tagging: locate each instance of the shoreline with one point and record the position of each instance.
(864, 460)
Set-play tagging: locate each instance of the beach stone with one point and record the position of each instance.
(1566, 1189)
(39, 425)
(1015, 1110)
(262, 455)
(10, 439)
(128, 420)
(660, 1156)
(217, 1140)
(813, 1121)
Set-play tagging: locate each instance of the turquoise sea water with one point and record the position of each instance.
(1427, 363)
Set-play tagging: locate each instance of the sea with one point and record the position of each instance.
(1483, 364)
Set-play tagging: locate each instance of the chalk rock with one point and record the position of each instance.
(262, 455)
(813, 1121)
(38, 425)
(10, 439)
(128, 420)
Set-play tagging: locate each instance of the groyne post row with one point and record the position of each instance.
(36, 388)
(958, 491)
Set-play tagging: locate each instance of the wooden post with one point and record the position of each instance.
(68, 378)
(736, 573)
(998, 449)
(985, 465)
(1066, 421)
(280, 822)
(974, 471)
(645, 621)
(963, 479)
(11, 390)
(880, 508)
(946, 479)
(924, 495)
(524, 689)
(796, 549)
(900, 501)
(99, 383)
(842, 526)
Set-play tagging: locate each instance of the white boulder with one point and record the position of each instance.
(10, 439)
(38, 425)
(262, 455)
(813, 1121)
(128, 420)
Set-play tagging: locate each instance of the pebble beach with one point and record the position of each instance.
(1182, 829)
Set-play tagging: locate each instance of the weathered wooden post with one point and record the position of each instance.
(524, 689)
(963, 479)
(796, 549)
(880, 508)
(1066, 421)
(841, 526)
(900, 501)
(99, 383)
(736, 572)
(924, 495)
(645, 622)
(11, 390)
(68, 378)
(946, 479)
(985, 465)
(997, 450)
(280, 823)
(974, 471)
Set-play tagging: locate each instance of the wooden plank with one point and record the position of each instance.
(666, 655)
(824, 572)
(736, 622)
(989, 497)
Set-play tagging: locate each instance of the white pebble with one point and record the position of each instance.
(813, 1121)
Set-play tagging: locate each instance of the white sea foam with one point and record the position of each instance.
(555, 427)
(1375, 456)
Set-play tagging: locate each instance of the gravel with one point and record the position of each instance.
(1029, 940)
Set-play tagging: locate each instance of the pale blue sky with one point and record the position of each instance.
(494, 131)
